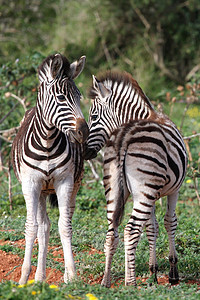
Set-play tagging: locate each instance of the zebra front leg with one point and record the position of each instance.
(170, 222)
(66, 194)
(116, 195)
(112, 239)
(65, 230)
(152, 233)
(43, 238)
(31, 195)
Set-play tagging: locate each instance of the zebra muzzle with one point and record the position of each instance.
(81, 133)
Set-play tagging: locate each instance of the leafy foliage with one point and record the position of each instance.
(147, 38)
(18, 78)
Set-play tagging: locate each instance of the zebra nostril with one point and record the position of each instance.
(82, 130)
(80, 133)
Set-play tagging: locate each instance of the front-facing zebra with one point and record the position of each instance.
(47, 158)
(145, 156)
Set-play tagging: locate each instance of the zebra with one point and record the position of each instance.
(145, 156)
(47, 158)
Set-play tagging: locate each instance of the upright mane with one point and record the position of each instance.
(109, 78)
(44, 70)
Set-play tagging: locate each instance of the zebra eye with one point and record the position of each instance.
(61, 97)
(94, 117)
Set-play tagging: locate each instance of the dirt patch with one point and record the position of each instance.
(10, 267)
(93, 251)
(19, 243)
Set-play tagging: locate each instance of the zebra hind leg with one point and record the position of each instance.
(132, 234)
(152, 233)
(142, 211)
(170, 222)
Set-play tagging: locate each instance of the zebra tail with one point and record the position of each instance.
(119, 211)
(120, 201)
(53, 200)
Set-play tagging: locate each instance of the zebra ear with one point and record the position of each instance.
(57, 65)
(77, 67)
(100, 88)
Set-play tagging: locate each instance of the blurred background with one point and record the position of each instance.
(158, 42)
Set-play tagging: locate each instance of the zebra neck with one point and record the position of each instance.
(133, 109)
(42, 133)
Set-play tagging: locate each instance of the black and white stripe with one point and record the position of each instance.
(145, 156)
(47, 158)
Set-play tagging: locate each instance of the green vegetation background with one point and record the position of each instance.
(158, 43)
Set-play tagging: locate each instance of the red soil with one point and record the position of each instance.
(10, 267)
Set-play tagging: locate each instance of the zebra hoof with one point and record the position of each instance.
(173, 275)
(153, 274)
(173, 281)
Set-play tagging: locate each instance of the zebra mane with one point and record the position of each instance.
(51, 66)
(110, 77)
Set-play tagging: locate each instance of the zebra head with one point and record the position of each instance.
(59, 98)
(101, 119)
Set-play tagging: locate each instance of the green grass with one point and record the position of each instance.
(89, 230)
(80, 290)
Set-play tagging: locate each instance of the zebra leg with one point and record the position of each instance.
(170, 222)
(43, 238)
(31, 194)
(110, 246)
(112, 237)
(115, 190)
(132, 233)
(152, 233)
(66, 194)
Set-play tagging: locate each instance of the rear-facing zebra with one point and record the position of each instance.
(145, 156)
(47, 158)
